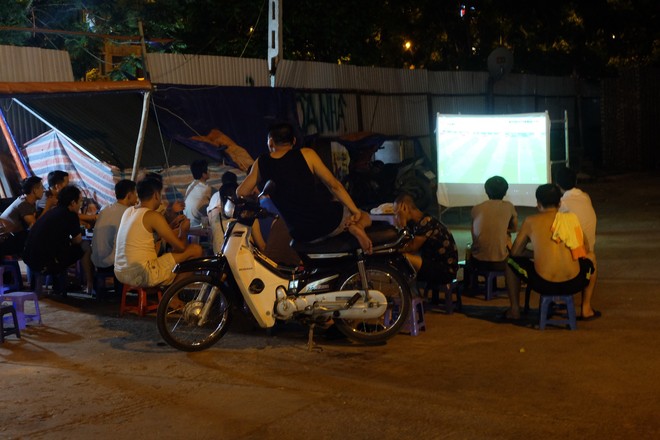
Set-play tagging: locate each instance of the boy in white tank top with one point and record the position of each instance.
(136, 260)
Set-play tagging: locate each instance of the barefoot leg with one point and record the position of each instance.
(513, 289)
(362, 238)
(588, 293)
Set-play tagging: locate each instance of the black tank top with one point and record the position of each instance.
(304, 202)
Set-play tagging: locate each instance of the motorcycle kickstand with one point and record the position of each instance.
(310, 339)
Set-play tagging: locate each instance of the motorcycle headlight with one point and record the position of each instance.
(228, 209)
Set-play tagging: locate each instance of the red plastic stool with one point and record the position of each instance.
(143, 305)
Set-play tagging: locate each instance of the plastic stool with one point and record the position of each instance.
(491, 281)
(415, 322)
(100, 278)
(449, 289)
(4, 310)
(39, 280)
(143, 305)
(18, 300)
(528, 294)
(568, 319)
(12, 267)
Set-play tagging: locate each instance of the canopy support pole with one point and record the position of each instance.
(141, 135)
(13, 148)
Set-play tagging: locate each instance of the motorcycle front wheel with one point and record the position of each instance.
(388, 280)
(194, 313)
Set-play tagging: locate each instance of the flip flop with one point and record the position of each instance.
(596, 315)
(504, 317)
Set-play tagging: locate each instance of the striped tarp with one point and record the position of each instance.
(51, 151)
(96, 179)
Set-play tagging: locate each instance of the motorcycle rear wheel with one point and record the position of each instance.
(388, 280)
(180, 310)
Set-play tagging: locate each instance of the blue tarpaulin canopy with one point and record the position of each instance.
(105, 120)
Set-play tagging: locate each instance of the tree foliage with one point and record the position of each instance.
(588, 38)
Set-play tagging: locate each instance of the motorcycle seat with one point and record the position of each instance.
(379, 232)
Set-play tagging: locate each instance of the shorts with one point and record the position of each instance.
(345, 218)
(153, 273)
(487, 266)
(524, 268)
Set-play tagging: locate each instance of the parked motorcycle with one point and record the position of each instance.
(368, 297)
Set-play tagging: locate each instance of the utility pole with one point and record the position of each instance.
(143, 46)
(274, 37)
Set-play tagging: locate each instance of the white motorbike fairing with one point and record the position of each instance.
(246, 269)
(336, 304)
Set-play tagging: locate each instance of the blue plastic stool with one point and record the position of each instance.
(13, 268)
(415, 321)
(100, 279)
(449, 289)
(4, 310)
(566, 319)
(40, 280)
(18, 300)
(491, 281)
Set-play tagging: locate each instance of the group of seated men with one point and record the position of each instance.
(562, 238)
(45, 229)
(140, 237)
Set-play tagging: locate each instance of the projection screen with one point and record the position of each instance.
(472, 148)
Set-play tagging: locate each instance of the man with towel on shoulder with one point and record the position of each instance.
(559, 266)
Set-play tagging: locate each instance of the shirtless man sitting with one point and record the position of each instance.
(553, 270)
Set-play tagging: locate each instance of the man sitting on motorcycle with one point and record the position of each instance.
(308, 208)
(433, 252)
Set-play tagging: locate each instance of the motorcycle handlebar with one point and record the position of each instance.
(246, 209)
(403, 238)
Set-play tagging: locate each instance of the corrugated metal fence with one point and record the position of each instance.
(630, 116)
(336, 99)
(31, 64)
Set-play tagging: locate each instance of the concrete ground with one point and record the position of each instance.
(87, 373)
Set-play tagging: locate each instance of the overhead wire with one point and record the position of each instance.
(253, 29)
